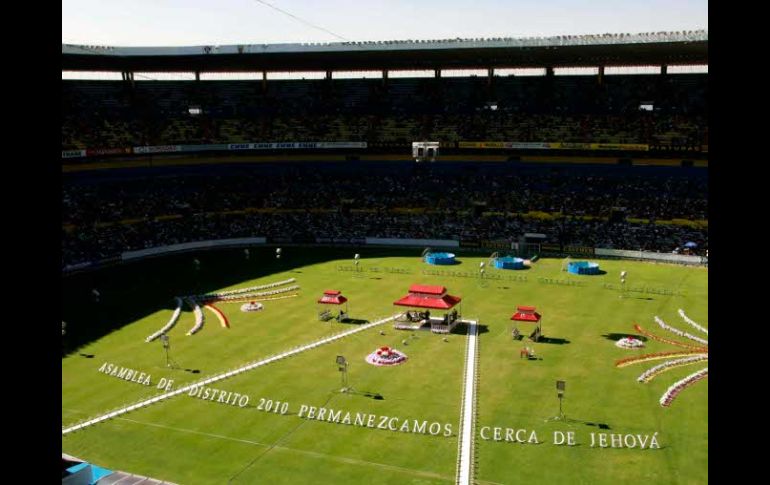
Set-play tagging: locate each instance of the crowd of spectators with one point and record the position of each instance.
(102, 218)
(104, 114)
(572, 207)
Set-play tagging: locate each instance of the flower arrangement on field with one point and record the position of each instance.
(171, 322)
(242, 296)
(199, 318)
(219, 314)
(668, 397)
(629, 343)
(652, 372)
(386, 356)
(665, 340)
(676, 331)
(692, 355)
(240, 291)
(691, 322)
(252, 306)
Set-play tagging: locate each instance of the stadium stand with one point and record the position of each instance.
(624, 207)
(106, 114)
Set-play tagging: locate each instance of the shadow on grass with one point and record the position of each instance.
(462, 329)
(617, 336)
(134, 290)
(354, 321)
(372, 395)
(598, 273)
(553, 340)
(453, 263)
(589, 423)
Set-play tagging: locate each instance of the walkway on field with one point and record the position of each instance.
(468, 410)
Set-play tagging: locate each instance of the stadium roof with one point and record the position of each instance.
(563, 51)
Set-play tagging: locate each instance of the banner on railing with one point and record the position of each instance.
(550, 248)
(353, 240)
(158, 149)
(666, 257)
(73, 153)
(143, 150)
(203, 148)
(581, 250)
(296, 145)
(513, 145)
(389, 241)
(485, 243)
(190, 246)
(95, 152)
(506, 144)
(636, 147)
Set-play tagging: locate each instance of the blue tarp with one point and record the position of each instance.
(99, 473)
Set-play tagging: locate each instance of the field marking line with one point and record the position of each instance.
(316, 454)
(467, 409)
(224, 375)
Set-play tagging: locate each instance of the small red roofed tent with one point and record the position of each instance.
(332, 297)
(528, 314)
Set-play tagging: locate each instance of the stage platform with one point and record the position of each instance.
(434, 324)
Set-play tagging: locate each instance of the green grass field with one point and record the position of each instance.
(192, 441)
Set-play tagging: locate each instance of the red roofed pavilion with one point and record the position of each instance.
(429, 297)
(528, 314)
(332, 297)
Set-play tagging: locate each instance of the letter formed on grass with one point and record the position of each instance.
(302, 410)
(165, 384)
(334, 418)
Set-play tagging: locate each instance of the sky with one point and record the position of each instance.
(226, 22)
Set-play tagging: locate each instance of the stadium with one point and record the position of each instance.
(459, 260)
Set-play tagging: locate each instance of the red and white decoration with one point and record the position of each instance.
(678, 359)
(252, 306)
(629, 343)
(199, 318)
(386, 356)
(676, 331)
(171, 322)
(691, 322)
(672, 392)
(220, 295)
